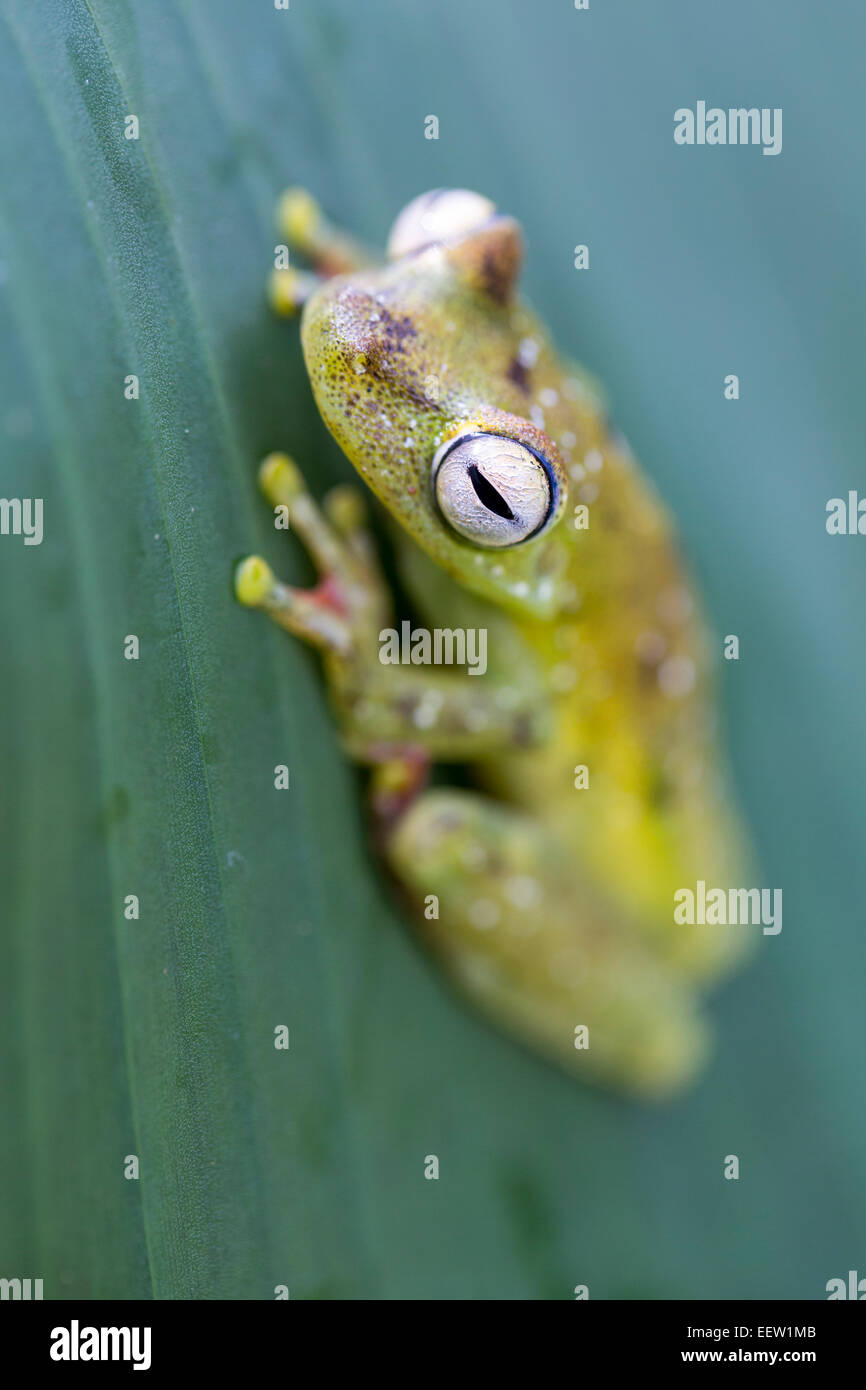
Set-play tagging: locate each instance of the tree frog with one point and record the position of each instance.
(592, 789)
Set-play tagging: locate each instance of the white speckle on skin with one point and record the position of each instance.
(568, 439)
(484, 913)
(676, 676)
(593, 461)
(480, 972)
(427, 711)
(527, 352)
(522, 891)
(536, 415)
(674, 605)
(548, 397)
(545, 590)
(576, 471)
(520, 590)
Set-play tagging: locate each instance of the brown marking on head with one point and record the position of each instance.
(518, 374)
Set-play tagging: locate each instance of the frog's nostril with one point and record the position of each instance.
(486, 493)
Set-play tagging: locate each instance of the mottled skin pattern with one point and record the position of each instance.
(555, 904)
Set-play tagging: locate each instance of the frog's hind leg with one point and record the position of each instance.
(328, 249)
(529, 944)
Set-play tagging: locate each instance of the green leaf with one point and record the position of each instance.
(155, 1037)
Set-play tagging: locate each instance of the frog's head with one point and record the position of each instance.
(428, 373)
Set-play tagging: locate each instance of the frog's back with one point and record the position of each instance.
(630, 778)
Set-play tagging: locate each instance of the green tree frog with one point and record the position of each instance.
(546, 886)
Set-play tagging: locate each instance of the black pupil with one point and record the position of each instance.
(486, 492)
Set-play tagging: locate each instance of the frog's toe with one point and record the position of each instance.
(289, 290)
(345, 509)
(312, 614)
(254, 580)
(283, 485)
(300, 218)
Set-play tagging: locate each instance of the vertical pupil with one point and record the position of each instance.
(487, 494)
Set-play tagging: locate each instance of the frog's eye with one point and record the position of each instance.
(493, 490)
(443, 215)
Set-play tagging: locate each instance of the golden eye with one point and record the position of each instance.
(493, 490)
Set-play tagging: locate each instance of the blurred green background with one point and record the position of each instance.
(155, 1037)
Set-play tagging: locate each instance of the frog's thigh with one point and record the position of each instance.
(524, 938)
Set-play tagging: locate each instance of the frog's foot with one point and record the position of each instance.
(350, 597)
(307, 230)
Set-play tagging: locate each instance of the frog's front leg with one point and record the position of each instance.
(328, 249)
(388, 714)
